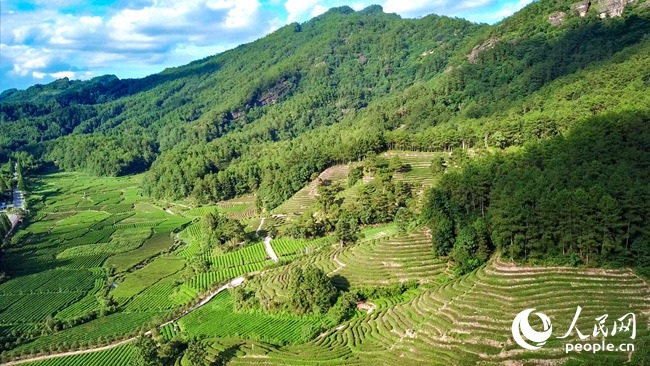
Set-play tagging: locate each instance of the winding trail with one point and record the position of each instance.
(71, 353)
(337, 261)
(259, 228)
(269, 249)
(234, 283)
(267, 242)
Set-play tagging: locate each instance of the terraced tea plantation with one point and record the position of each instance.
(468, 321)
(99, 264)
(91, 240)
(119, 356)
(397, 258)
(418, 167)
(219, 319)
(306, 197)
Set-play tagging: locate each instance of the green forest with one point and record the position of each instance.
(332, 91)
(354, 169)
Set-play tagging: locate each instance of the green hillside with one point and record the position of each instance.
(357, 189)
(223, 126)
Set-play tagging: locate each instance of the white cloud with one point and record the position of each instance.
(46, 43)
(318, 10)
(297, 9)
(63, 74)
(240, 15)
(24, 59)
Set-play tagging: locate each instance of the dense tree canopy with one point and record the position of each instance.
(348, 85)
(267, 115)
(577, 196)
(311, 291)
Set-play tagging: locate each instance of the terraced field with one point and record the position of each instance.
(136, 282)
(224, 267)
(83, 228)
(88, 231)
(398, 258)
(240, 208)
(306, 197)
(118, 356)
(468, 321)
(218, 319)
(295, 247)
(419, 172)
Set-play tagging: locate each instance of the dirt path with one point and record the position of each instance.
(269, 249)
(71, 353)
(340, 264)
(234, 283)
(267, 242)
(259, 228)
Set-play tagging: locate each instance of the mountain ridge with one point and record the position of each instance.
(430, 71)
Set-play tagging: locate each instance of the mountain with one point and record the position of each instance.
(458, 174)
(267, 115)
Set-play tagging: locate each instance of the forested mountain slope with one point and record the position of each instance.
(267, 115)
(437, 151)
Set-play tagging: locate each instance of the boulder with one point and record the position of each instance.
(581, 8)
(556, 19)
(613, 8)
(487, 45)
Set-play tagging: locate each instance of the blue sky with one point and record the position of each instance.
(43, 40)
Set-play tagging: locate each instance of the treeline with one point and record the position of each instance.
(574, 199)
(381, 200)
(101, 155)
(221, 170)
(266, 116)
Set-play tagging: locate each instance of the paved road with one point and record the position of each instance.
(18, 199)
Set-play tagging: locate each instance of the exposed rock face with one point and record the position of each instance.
(581, 8)
(487, 45)
(613, 8)
(556, 19)
(272, 95)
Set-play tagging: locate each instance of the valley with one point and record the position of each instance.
(362, 188)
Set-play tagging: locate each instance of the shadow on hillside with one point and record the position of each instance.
(340, 282)
(226, 355)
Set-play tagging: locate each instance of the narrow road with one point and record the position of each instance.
(269, 249)
(71, 353)
(259, 228)
(267, 242)
(234, 283)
